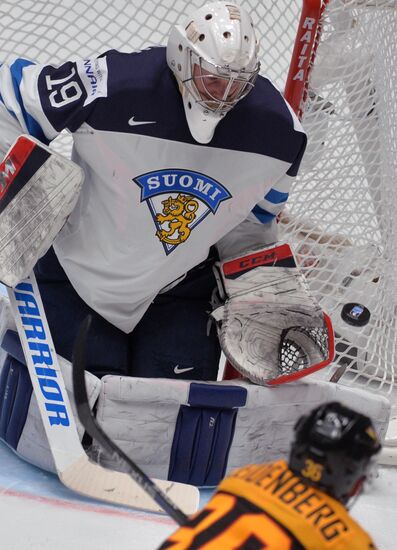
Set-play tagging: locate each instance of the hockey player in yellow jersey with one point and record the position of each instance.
(302, 505)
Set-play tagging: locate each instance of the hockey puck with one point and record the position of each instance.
(355, 314)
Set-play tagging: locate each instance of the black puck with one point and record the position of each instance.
(355, 314)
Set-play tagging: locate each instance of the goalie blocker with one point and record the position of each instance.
(270, 327)
(38, 190)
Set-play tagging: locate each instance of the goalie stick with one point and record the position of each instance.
(95, 431)
(38, 189)
(74, 468)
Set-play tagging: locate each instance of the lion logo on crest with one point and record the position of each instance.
(179, 200)
(178, 213)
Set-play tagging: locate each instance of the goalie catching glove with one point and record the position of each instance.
(270, 327)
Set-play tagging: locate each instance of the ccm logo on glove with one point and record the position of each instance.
(278, 257)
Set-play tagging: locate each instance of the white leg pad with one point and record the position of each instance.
(140, 415)
(6, 322)
(33, 446)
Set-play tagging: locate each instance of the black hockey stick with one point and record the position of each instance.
(95, 431)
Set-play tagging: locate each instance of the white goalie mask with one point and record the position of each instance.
(215, 60)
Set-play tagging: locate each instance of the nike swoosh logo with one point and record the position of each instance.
(178, 370)
(133, 122)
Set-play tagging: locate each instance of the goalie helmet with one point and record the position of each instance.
(333, 448)
(214, 58)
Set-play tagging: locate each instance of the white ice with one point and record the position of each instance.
(38, 513)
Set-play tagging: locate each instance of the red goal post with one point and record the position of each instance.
(303, 54)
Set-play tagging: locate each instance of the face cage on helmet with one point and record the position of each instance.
(245, 79)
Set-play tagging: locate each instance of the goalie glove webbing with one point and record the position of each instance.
(270, 327)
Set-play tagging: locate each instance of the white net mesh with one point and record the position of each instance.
(51, 31)
(341, 214)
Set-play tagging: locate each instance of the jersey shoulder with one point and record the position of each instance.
(269, 99)
(138, 70)
(264, 123)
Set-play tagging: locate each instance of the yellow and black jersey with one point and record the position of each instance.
(268, 507)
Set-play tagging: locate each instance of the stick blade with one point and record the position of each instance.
(134, 488)
(90, 479)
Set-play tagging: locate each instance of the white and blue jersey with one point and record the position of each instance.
(153, 201)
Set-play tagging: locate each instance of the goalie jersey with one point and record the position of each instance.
(153, 201)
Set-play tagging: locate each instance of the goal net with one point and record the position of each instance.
(342, 213)
(341, 216)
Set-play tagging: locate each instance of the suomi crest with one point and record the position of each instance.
(179, 200)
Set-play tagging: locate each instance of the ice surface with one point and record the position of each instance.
(38, 513)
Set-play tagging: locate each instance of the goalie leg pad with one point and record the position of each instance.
(175, 430)
(204, 432)
(21, 426)
(197, 432)
(6, 323)
(15, 393)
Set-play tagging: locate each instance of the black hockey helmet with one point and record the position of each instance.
(332, 449)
